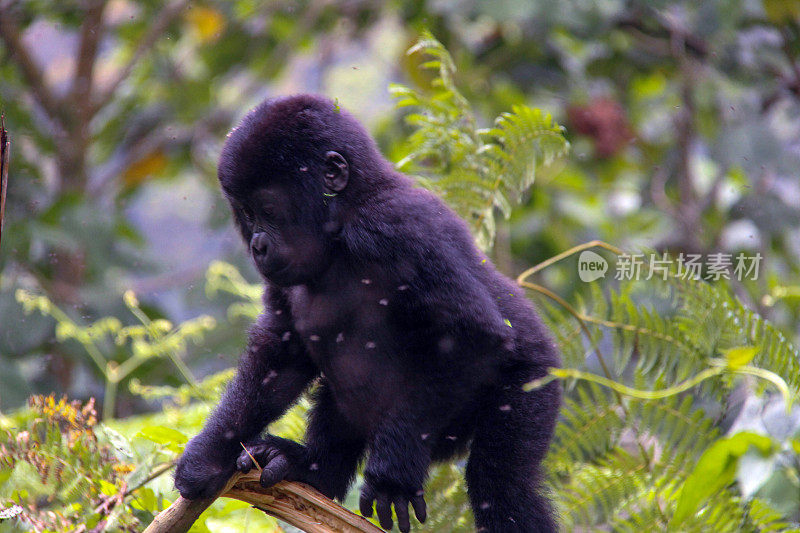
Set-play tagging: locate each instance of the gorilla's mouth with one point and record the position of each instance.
(279, 274)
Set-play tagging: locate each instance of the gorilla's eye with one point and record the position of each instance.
(248, 214)
(268, 213)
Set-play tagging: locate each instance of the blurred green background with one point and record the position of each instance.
(684, 120)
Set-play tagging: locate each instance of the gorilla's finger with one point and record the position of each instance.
(420, 509)
(244, 463)
(365, 502)
(384, 509)
(274, 471)
(401, 510)
(265, 453)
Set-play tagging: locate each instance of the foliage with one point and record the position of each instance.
(687, 147)
(682, 119)
(63, 470)
(623, 461)
(101, 340)
(223, 277)
(144, 447)
(475, 170)
(630, 459)
(618, 461)
(448, 504)
(714, 471)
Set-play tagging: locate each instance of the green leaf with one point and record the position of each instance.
(795, 445)
(145, 500)
(715, 470)
(122, 447)
(171, 438)
(5, 473)
(739, 356)
(109, 489)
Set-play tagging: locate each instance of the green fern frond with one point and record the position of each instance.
(476, 171)
(646, 518)
(737, 325)
(763, 518)
(591, 426)
(446, 493)
(568, 334)
(598, 491)
(724, 514)
(669, 330)
(653, 336)
(677, 421)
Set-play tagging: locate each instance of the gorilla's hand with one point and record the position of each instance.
(278, 458)
(384, 493)
(201, 474)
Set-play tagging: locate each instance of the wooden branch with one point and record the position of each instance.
(178, 517)
(294, 503)
(5, 151)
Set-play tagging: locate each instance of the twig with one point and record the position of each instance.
(294, 503)
(658, 31)
(5, 151)
(158, 471)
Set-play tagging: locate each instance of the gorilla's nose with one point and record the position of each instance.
(258, 244)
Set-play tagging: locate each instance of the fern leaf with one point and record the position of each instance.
(478, 172)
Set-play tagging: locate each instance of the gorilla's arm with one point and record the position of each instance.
(272, 373)
(327, 461)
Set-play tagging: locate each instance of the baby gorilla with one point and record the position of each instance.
(374, 289)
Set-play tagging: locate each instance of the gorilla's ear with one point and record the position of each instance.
(336, 171)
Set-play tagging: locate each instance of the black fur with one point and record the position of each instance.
(375, 288)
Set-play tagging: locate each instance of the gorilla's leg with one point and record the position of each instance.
(503, 471)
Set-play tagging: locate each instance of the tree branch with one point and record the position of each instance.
(294, 503)
(160, 24)
(9, 33)
(90, 36)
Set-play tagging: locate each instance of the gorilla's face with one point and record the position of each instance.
(288, 241)
(286, 184)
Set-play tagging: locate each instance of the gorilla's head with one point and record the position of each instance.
(289, 171)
